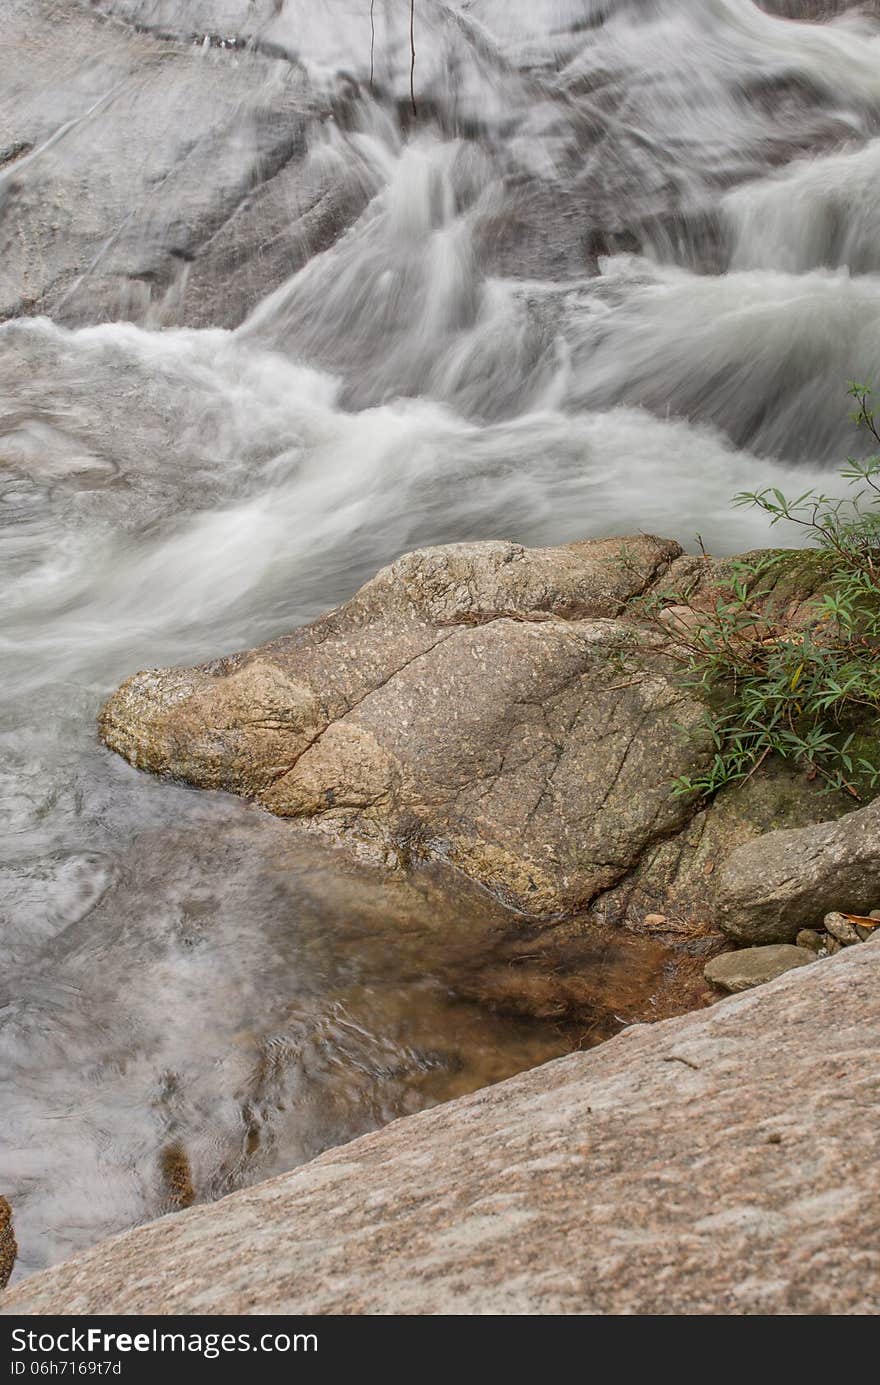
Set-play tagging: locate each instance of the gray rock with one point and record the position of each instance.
(676, 876)
(771, 888)
(812, 940)
(638, 1178)
(753, 966)
(220, 204)
(841, 929)
(197, 221)
(817, 9)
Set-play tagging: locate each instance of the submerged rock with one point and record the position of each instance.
(690, 1167)
(8, 1247)
(817, 9)
(753, 966)
(176, 1173)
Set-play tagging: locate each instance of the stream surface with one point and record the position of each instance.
(619, 265)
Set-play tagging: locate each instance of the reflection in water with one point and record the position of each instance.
(226, 997)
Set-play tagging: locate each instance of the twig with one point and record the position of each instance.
(412, 49)
(758, 763)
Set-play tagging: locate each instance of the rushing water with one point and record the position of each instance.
(621, 265)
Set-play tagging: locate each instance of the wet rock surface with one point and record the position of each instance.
(817, 9)
(690, 1167)
(227, 200)
(503, 709)
(194, 224)
(479, 703)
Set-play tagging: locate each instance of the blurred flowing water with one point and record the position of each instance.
(620, 264)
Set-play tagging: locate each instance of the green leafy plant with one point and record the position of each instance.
(807, 690)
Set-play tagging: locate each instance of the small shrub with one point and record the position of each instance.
(810, 695)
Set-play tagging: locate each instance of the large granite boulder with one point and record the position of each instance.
(481, 703)
(507, 710)
(713, 1164)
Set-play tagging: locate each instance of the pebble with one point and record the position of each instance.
(841, 929)
(654, 920)
(811, 939)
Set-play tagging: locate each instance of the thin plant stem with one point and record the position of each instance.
(412, 49)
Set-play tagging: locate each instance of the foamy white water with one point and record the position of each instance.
(621, 266)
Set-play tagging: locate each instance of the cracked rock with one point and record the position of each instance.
(482, 703)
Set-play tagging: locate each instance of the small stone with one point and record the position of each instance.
(812, 940)
(8, 1248)
(679, 619)
(653, 920)
(874, 914)
(752, 966)
(831, 945)
(177, 1175)
(841, 929)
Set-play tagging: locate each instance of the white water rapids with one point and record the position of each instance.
(620, 266)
